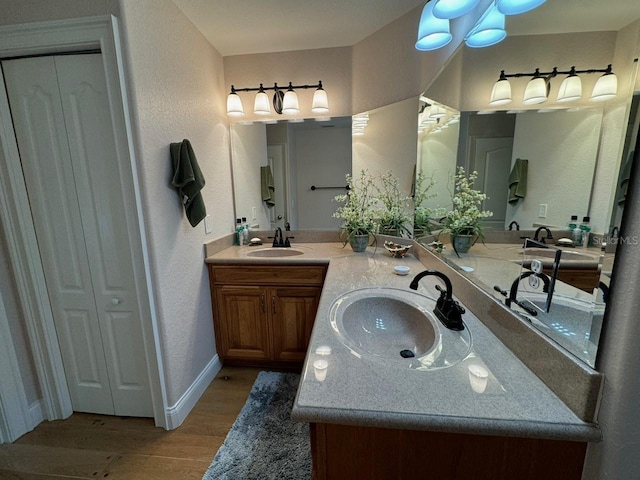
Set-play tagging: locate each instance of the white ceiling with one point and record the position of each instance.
(238, 27)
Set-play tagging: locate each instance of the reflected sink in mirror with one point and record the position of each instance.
(397, 328)
(275, 252)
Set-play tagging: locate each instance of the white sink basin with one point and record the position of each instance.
(397, 328)
(275, 252)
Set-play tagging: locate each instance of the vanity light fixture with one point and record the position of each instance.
(284, 101)
(488, 31)
(537, 90)
(434, 29)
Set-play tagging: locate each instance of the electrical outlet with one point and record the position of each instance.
(542, 210)
(207, 224)
(254, 213)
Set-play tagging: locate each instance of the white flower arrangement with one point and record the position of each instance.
(358, 211)
(465, 218)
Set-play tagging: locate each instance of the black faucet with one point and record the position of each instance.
(448, 311)
(549, 236)
(511, 296)
(277, 238)
(278, 241)
(511, 225)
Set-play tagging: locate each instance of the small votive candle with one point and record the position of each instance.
(478, 376)
(320, 369)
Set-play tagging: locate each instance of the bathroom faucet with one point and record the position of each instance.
(548, 237)
(278, 241)
(511, 297)
(277, 238)
(448, 311)
(511, 225)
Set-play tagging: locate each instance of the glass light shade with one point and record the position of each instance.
(516, 7)
(433, 33)
(501, 93)
(488, 31)
(570, 89)
(606, 88)
(261, 105)
(536, 91)
(453, 8)
(320, 103)
(437, 111)
(290, 104)
(234, 105)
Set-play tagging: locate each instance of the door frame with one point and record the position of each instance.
(51, 37)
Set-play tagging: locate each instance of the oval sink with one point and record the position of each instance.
(396, 327)
(385, 326)
(275, 252)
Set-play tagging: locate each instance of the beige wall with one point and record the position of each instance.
(27, 11)
(177, 91)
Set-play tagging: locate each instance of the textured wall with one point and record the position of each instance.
(177, 91)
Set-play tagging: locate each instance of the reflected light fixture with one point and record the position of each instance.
(433, 32)
(284, 101)
(488, 31)
(516, 7)
(453, 8)
(537, 90)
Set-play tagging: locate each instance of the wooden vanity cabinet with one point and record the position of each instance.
(263, 315)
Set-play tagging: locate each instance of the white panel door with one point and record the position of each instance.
(492, 158)
(79, 212)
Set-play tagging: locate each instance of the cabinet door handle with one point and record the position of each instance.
(264, 308)
(273, 304)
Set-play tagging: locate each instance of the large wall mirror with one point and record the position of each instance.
(578, 157)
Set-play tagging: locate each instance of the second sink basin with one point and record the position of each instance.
(396, 327)
(275, 252)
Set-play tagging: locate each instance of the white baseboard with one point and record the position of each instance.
(175, 415)
(36, 414)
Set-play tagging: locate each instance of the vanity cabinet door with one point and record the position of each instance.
(241, 321)
(293, 311)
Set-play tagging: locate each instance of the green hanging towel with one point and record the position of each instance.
(518, 180)
(267, 186)
(188, 181)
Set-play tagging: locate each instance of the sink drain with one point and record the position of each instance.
(407, 354)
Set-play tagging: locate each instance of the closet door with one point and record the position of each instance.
(81, 220)
(37, 113)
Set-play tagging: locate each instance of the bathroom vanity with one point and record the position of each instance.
(465, 406)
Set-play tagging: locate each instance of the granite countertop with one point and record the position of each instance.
(362, 390)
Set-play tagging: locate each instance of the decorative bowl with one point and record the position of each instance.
(396, 250)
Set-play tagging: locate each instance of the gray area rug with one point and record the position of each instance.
(264, 443)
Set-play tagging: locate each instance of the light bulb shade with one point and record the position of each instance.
(320, 103)
(501, 93)
(606, 88)
(261, 105)
(536, 91)
(488, 31)
(453, 8)
(516, 7)
(433, 32)
(290, 104)
(234, 105)
(570, 89)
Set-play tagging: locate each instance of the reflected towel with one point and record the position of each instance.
(518, 180)
(188, 180)
(623, 182)
(267, 186)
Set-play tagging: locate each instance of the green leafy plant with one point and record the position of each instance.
(465, 218)
(392, 207)
(358, 211)
(423, 217)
